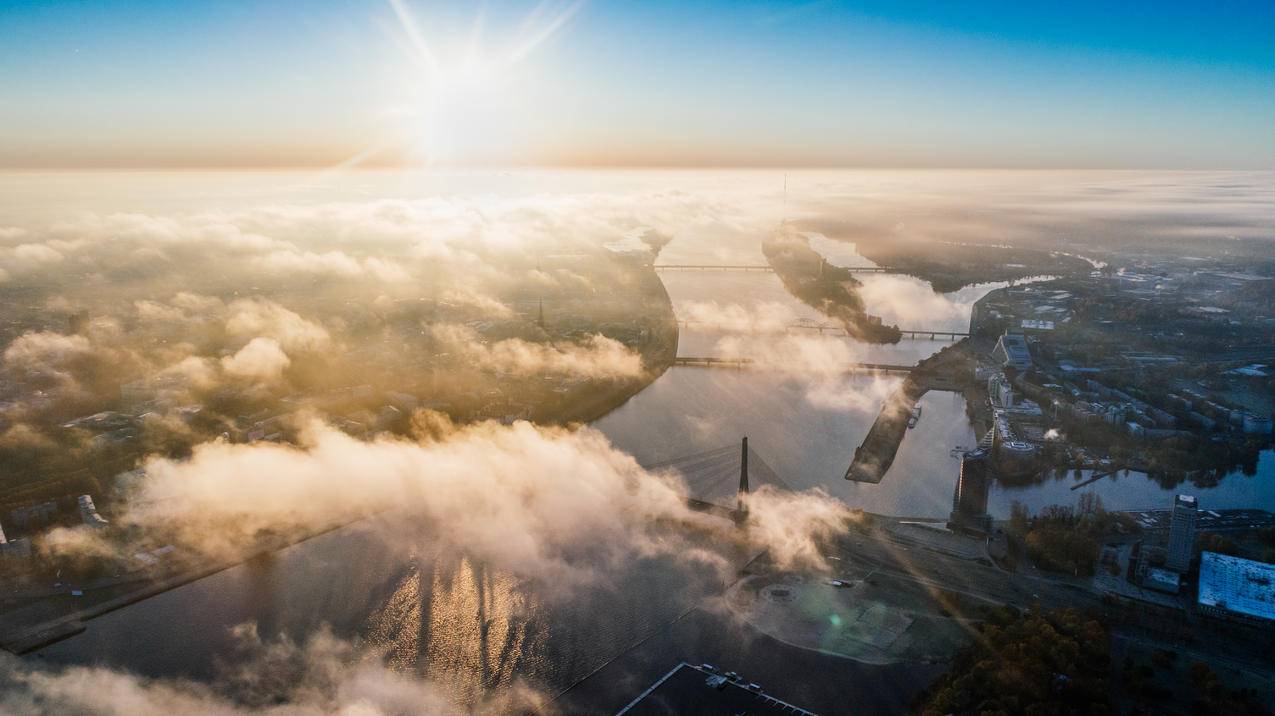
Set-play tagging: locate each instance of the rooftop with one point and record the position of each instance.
(1237, 585)
(704, 689)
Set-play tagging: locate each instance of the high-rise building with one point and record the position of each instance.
(969, 503)
(1182, 533)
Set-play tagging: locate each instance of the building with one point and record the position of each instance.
(1162, 580)
(969, 501)
(1182, 533)
(1001, 391)
(1034, 324)
(1012, 457)
(1011, 352)
(1236, 588)
(34, 516)
(88, 513)
(1256, 424)
(16, 548)
(705, 690)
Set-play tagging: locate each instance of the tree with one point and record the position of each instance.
(1090, 504)
(1019, 519)
(1054, 663)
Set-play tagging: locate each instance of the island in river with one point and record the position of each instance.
(830, 289)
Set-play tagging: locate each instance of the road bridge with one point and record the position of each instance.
(821, 328)
(759, 268)
(740, 363)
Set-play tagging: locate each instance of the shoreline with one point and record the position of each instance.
(661, 352)
(25, 640)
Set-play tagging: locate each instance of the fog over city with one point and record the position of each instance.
(582, 357)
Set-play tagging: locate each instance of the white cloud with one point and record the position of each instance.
(263, 318)
(321, 676)
(261, 359)
(596, 357)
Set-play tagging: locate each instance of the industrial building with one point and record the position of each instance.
(1182, 533)
(1234, 587)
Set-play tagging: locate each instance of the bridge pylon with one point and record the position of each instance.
(741, 503)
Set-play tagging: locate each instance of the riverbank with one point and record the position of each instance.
(658, 351)
(830, 289)
(950, 266)
(20, 639)
(951, 369)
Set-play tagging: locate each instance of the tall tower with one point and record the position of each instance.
(540, 318)
(1182, 533)
(969, 499)
(743, 477)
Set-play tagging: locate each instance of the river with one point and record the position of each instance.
(448, 619)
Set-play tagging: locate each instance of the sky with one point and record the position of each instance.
(872, 83)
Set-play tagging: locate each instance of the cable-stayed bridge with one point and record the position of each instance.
(716, 480)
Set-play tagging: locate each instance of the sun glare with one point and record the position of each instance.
(463, 103)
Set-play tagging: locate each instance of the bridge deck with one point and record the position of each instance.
(714, 362)
(820, 327)
(758, 267)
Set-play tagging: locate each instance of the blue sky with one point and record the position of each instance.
(874, 83)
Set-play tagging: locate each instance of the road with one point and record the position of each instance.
(877, 550)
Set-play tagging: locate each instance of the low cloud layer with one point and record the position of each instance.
(322, 675)
(595, 357)
(544, 503)
(911, 303)
(260, 359)
(770, 316)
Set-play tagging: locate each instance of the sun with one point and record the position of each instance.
(467, 105)
(462, 112)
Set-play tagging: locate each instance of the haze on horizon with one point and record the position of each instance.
(341, 83)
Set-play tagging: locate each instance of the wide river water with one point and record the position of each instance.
(471, 629)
